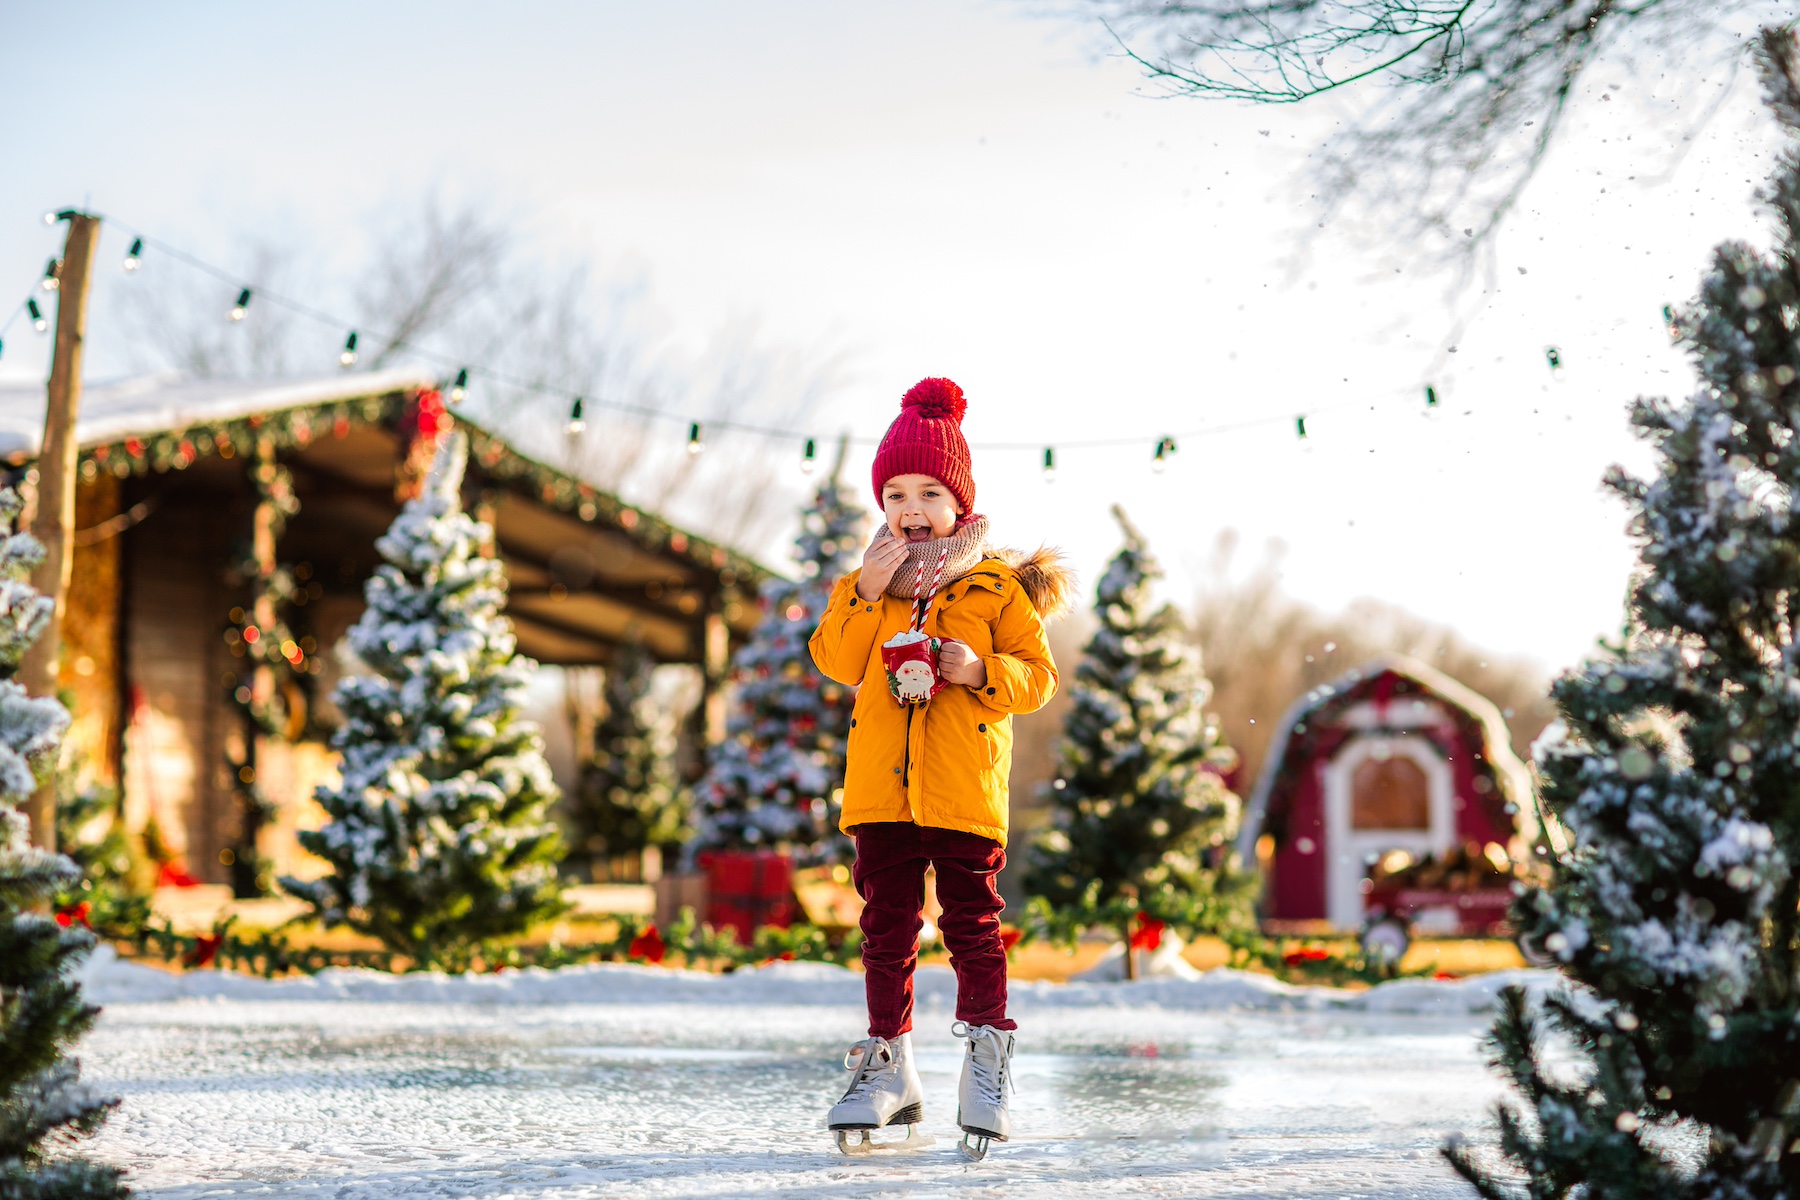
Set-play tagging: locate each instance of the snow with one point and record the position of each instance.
(627, 1081)
(155, 404)
(107, 980)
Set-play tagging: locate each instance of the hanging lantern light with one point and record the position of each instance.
(696, 443)
(39, 322)
(809, 456)
(52, 276)
(241, 307)
(1165, 450)
(133, 256)
(577, 422)
(1049, 464)
(348, 357)
(1300, 427)
(1553, 356)
(1431, 396)
(460, 388)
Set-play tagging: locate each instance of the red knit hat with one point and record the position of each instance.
(926, 439)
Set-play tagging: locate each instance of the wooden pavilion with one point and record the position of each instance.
(194, 492)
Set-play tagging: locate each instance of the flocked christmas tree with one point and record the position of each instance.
(776, 780)
(1143, 824)
(629, 799)
(1675, 772)
(439, 839)
(42, 1106)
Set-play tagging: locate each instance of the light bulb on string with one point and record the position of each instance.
(133, 256)
(1431, 396)
(52, 275)
(809, 456)
(39, 321)
(348, 357)
(1165, 450)
(1553, 356)
(1300, 427)
(241, 307)
(696, 443)
(49, 218)
(460, 388)
(576, 422)
(1049, 464)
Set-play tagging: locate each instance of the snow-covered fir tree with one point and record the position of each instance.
(42, 1104)
(1142, 819)
(1674, 770)
(439, 839)
(628, 798)
(776, 780)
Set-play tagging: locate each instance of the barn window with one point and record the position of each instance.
(1390, 793)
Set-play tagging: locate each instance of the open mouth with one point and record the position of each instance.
(916, 533)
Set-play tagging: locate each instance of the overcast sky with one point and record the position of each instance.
(967, 189)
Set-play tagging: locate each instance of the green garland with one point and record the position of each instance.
(272, 954)
(296, 428)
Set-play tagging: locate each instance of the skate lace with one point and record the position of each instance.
(992, 1076)
(873, 1060)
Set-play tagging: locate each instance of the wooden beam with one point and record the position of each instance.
(53, 524)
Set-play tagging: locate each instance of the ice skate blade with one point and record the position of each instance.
(974, 1146)
(866, 1145)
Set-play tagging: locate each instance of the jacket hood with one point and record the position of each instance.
(1048, 581)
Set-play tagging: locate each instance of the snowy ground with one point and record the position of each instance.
(623, 1082)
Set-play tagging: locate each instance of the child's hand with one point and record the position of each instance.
(880, 561)
(959, 664)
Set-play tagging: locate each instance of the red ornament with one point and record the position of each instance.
(648, 946)
(1148, 934)
(206, 948)
(172, 875)
(75, 912)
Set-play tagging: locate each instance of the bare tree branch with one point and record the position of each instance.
(1477, 90)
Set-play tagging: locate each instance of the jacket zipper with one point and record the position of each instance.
(906, 762)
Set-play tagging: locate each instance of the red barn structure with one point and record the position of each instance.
(1394, 757)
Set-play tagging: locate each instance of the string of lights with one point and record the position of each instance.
(460, 373)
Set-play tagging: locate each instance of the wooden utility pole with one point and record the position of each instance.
(54, 522)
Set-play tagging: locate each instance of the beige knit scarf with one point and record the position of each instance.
(967, 546)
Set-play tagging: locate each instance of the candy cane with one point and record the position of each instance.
(920, 592)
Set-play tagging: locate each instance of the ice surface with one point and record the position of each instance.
(639, 1082)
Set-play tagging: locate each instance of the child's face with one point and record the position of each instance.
(919, 508)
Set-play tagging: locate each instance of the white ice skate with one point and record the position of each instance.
(981, 1097)
(884, 1090)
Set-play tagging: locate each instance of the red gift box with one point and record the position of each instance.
(749, 888)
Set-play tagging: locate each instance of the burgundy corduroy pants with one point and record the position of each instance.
(891, 857)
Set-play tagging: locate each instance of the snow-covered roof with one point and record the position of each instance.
(151, 404)
(1511, 773)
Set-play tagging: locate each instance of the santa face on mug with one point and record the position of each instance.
(914, 680)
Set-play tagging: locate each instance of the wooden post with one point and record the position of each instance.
(54, 521)
(715, 666)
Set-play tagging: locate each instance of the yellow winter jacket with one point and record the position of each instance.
(947, 763)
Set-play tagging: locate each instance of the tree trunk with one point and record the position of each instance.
(1130, 954)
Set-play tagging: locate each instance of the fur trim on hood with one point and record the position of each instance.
(1049, 582)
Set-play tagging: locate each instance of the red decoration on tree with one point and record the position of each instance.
(172, 874)
(206, 948)
(648, 946)
(75, 912)
(1148, 934)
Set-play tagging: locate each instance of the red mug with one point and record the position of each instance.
(911, 659)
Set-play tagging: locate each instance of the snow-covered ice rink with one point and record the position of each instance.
(632, 1082)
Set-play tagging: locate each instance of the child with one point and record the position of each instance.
(926, 782)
